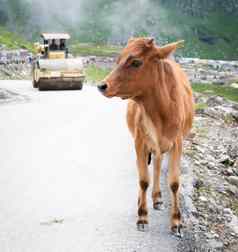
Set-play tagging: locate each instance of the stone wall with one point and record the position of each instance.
(210, 71)
(15, 64)
(15, 56)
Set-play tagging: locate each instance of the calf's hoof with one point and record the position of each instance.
(158, 205)
(142, 225)
(176, 230)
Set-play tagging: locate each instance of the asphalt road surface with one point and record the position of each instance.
(68, 175)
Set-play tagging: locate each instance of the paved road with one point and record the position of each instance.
(68, 176)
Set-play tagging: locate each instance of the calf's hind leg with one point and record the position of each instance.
(142, 159)
(173, 180)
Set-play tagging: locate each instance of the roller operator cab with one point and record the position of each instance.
(53, 69)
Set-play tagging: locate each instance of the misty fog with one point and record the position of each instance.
(110, 21)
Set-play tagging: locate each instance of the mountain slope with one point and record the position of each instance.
(210, 28)
(13, 40)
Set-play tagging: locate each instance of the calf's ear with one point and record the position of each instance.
(165, 51)
(149, 42)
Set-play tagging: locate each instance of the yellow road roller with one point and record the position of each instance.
(54, 68)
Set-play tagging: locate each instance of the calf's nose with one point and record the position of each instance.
(102, 87)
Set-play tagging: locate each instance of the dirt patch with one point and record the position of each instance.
(7, 96)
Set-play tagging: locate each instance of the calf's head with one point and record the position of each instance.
(135, 68)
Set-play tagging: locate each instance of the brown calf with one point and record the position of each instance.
(159, 116)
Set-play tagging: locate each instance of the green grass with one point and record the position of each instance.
(14, 41)
(86, 49)
(227, 92)
(96, 74)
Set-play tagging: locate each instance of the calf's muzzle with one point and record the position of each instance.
(102, 87)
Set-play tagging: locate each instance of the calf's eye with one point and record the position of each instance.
(136, 63)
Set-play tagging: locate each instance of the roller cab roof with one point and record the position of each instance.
(47, 36)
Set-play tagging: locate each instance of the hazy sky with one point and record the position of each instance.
(119, 19)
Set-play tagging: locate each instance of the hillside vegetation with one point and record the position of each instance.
(210, 28)
(13, 41)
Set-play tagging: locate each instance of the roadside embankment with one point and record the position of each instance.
(15, 64)
(199, 70)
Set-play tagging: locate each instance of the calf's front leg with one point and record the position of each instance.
(142, 159)
(156, 192)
